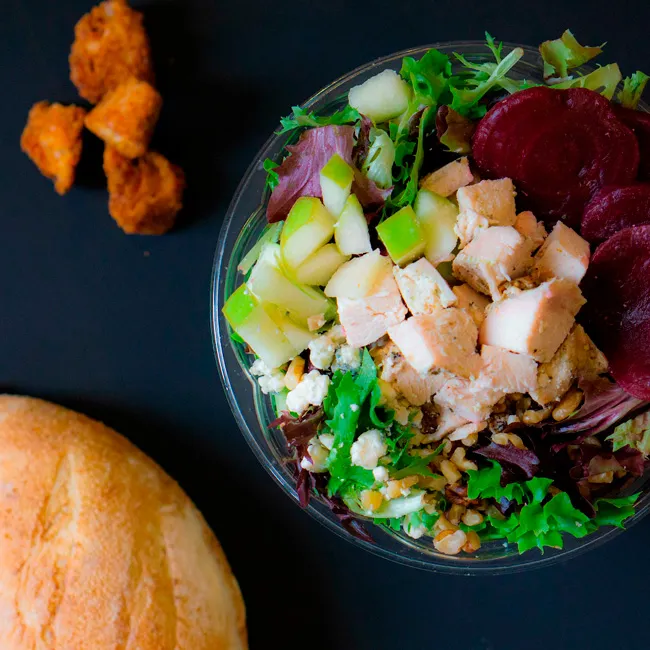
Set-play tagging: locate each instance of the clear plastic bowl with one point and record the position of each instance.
(253, 411)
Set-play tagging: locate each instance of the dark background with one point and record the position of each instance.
(119, 327)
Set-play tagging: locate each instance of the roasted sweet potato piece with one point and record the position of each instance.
(52, 139)
(145, 194)
(111, 46)
(126, 117)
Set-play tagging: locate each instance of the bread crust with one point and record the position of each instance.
(100, 548)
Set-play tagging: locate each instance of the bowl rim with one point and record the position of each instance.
(219, 333)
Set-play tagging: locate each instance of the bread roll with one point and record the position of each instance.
(99, 548)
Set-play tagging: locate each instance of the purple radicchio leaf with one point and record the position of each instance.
(298, 432)
(523, 461)
(299, 173)
(605, 404)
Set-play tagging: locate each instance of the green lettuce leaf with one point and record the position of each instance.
(634, 432)
(378, 166)
(301, 118)
(429, 78)
(486, 484)
(613, 512)
(342, 420)
(565, 53)
(633, 88)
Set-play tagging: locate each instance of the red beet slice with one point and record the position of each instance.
(613, 208)
(559, 146)
(617, 313)
(639, 122)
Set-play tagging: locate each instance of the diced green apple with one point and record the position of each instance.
(402, 235)
(320, 267)
(271, 285)
(308, 227)
(351, 230)
(300, 337)
(248, 318)
(358, 277)
(437, 216)
(335, 184)
(382, 97)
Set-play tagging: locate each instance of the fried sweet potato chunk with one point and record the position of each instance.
(110, 46)
(145, 194)
(126, 117)
(52, 139)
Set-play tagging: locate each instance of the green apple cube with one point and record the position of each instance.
(335, 184)
(351, 230)
(438, 217)
(320, 267)
(248, 318)
(300, 337)
(308, 227)
(382, 97)
(359, 277)
(402, 236)
(271, 285)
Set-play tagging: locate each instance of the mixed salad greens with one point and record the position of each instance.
(416, 328)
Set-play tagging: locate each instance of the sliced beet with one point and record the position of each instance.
(615, 207)
(617, 313)
(639, 122)
(559, 146)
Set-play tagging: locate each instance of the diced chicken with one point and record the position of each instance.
(472, 302)
(577, 357)
(365, 320)
(468, 225)
(448, 421)
(448, 179)
(416, 388)
(423, 289)
(564, 255)
(445, 340)
(491, 201)
(496, 256)
(534, 322)
(530, 229)
(507, 371)
(467, 399)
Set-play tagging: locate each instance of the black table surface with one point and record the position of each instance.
(119, 327)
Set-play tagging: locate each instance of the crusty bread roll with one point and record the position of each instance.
(99, 548)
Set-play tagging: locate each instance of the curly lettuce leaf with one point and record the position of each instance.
(468, 90)
(454, 130)
(633, 87)
(565, 53)
(541, 521)
(635, 433)
(300, 118)
(603, 80)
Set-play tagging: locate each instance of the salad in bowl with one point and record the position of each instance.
(449, 309)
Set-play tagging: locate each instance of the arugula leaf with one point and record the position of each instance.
(603, 80)
(633, 88)
(345, 391)
(397, 442)
(300, 118)
(373, 406)
(415, 465)
(272, 177)
(565, 53)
